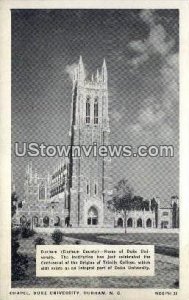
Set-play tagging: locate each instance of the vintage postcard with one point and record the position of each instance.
(94, 150)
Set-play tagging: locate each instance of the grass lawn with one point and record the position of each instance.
(164, 239)
(165, 243)
(166, 270)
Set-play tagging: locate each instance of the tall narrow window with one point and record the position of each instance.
(88, 110)
(42, 191)
(95, 188)
(96, 111)
(87, 188)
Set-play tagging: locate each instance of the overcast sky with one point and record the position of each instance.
(141, 50)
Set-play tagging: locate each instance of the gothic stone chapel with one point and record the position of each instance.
(76, 193)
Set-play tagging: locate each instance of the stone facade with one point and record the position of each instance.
(46, 201)
(169, 216)
(136, 219)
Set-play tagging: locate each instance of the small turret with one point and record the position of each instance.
(97, 76)
(36, 176)
(30, 171)
(174, 199)
(79, 73)
(48, 178)
(27, 172)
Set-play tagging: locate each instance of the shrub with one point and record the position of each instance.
(39, 241)
(26, 232)
(78, 242)
(19, 266)
(16, 231)
(19, 262)
(57, 237)
(176, 284)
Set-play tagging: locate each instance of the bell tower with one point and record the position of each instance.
(89, 174)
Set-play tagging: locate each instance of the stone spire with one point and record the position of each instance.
(13, 182)
(81, 70)
(104, 72)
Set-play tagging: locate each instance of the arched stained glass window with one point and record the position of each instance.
(96, 111)
(88, 110)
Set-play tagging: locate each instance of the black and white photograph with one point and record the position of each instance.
(95, 146)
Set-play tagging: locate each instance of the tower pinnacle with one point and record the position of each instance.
(81, 70)
(104, 72)
(97, 75)
(104, 64)
(80, 60)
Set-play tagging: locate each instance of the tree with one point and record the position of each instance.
(146, 205)
(14, 200)
(137, 203)
(175, 212)
(175, 215)
(39, 241)
(57, 236)
(122, 198)
(154, 207)
(19, 262)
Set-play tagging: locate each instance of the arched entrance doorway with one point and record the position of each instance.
(149, 223)
(46, 221)
(35, 221)
(139, 222)
(164, 224)
(92, 218)
(130, 222)
(120, 222)
(23, 220)
(67, 221)
(57, 221)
